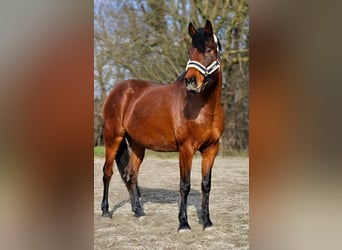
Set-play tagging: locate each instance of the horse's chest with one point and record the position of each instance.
(203, 128)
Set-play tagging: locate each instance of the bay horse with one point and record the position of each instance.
(184, 116)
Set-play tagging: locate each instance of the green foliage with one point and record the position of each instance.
(99, 151)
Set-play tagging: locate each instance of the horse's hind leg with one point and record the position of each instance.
(136, 157)
(112, 146)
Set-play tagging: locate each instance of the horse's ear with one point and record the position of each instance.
(192, 30)
(208, 28)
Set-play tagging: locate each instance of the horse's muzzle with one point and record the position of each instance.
(191, 84)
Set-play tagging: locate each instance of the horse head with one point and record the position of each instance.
(204, 55)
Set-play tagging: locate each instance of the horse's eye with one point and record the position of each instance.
(208, 50)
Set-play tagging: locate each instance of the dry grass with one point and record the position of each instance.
(159, 183)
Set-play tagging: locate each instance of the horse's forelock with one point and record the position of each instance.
(199, 40)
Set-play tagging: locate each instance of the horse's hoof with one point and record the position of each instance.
(141, 217)
(139, 214)
(208, 226)
(181, 231)
(106, 214)
(184, 228)
(206, 222)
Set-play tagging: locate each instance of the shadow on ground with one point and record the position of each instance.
(165, 196)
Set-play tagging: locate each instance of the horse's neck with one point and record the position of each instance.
(214, 97)
(207, 102)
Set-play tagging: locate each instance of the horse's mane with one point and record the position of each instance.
(181, 77)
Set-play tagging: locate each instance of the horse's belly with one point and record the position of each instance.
(157, 144)
(162, 147)
(156, 141)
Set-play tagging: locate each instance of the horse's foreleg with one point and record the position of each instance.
(208, 157)
(136, 157)
(185, 162)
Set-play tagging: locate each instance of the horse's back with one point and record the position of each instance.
(128, 86)
(122, 93)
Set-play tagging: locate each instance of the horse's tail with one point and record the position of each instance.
(121, 159)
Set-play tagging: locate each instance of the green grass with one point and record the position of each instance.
(99, 151)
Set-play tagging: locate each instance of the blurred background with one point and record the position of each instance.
(149, 40)
(47, 116)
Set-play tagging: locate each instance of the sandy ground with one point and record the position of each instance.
(159, 184)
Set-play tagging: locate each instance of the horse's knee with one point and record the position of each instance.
(206, 183)
(205, 187)
(185, 187)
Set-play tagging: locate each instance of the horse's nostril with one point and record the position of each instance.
(191, 81)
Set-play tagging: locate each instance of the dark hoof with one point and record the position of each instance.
(139, 213)
(106, 214)
(207, 225)
(184, 227)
